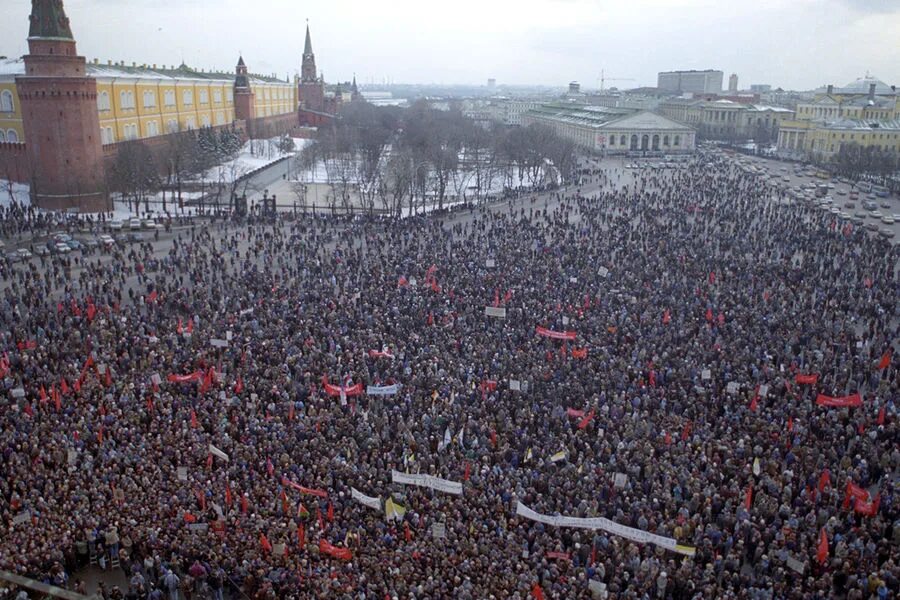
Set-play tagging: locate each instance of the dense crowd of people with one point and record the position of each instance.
(699, 301)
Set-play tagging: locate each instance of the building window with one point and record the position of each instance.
(204, 97)
(6, 102)
(149, 99)
(204, 120)
(103, 101)
(229, 95)
(152, 128)
(126, 100)
(187, 97)
(131, 131)
(677, 140)
(169, 97)
(612, 140)
(172, 126)
(622, 140)
(11, 136)
(189, 123)
(106, 135)
(217, 96)
(665, 140)
(220, 118)
(2, 136)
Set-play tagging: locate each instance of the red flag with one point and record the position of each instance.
(712, 276)
(748, 497)
(496, 297)
(430, 318)
(189, 518)
(284, 502)
(28, 410)
(290, 411)
(264, 542)
(406, 532)
(709, 315)
(493, 438)
(822, 550)
(686, 432)
(301, 535)
(807, 379)
(869, 509)
(179, 329)
(467, 471)
(43, 395)
(537, 592)
(270, 468)
(194, 423)
(152, 297)
(108, 381)
(239, 385)
(77, 386)
(190, 326)
(754, 404)
(330, 512)
(593, 556)
(790, 424)
(667, 317)
(54, 393)
(852, 493)
(244, 504)
(885, 361)
(227, 494)
(64, 386)
(824, 479)
(402, 282)
(881, 413)
(330, 550)
(585, 420)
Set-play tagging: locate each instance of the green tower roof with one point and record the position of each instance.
(49, 20)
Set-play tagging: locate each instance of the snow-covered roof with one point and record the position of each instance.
(646, 120)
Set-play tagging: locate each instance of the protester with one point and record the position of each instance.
(697, 296)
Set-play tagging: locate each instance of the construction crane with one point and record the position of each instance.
(604, 79)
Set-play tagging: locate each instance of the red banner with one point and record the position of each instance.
(195, 376)
(811, 379)
(556, 335)
(852, 400)
(574, 412)
(304, 490)
(380, 354)
(330, 550)
(335, 390)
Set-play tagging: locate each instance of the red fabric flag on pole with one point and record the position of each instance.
(290, 411)
(748, 497)
(824, 479)
(406, 532)
(264, 542)
(790, 424)
(64, 386)
(667, 317)
(270, 468)
(493, 438)
(239, 385)
(754, 403)
(227, 494)
(467, 471)
(330, 512)
(301, 535)
(179, 329)
(244, 504)
(585, 420)
(822, 549)
(330, 550)
(151, 298)
(686, 432)
(881, 413)
(194, 423)
(537, 592)
(43, 395)
(885, 361)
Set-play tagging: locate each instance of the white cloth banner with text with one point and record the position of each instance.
(435, 483)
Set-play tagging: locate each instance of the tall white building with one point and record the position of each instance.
(696, 82)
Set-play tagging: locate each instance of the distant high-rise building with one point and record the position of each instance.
(574, 87)
(694, 82)
(733, 83)
(492, 83)
(758, 88)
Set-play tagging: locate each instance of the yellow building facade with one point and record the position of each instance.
(141, 102)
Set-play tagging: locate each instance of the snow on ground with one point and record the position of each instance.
(255, 154)
(14, 192)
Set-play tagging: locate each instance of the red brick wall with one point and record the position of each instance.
(14, 164)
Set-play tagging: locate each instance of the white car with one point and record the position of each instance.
(888, 220)
(134, 224)
(107, 240)
(876, 214)
(62, 248)
(25, 253)
(116, 225)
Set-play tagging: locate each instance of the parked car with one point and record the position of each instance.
(134, 223)
(869, 205)
(885, 232)
(872, 226)
(41, 250)
(875, 214)
(115, 225)
(849, 204)
(62, 237)
(13, 257)
(136, 236)
(885, 205)
(91, 243)
(25, 253)
(61, 248)
(107, 240)
(888, 220)
(75, 244)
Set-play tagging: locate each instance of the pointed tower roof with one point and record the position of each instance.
(307, 48)
(241, 61)
(49, 20)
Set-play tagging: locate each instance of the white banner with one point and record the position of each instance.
(602, 523)
(216, 452)
(495, 311)
(365, 500)
(383, 390)
(216, 343)
(435, 483)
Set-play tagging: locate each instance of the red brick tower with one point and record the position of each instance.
(244, 98)
(59, 115)
(312, 88)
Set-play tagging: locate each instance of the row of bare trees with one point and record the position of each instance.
(140, 171)
(387, 159)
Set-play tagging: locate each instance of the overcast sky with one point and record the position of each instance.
(797, 44)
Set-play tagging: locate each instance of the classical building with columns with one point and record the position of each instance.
(614, 130)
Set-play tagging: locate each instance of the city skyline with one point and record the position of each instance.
(545, 42)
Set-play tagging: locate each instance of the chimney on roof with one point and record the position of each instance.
(154, 66)
(829, 90)
(109, 63)
(871, 91)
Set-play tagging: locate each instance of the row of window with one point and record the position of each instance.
(9, 136)
(130, 131)
(676, 140)
(126, 98)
